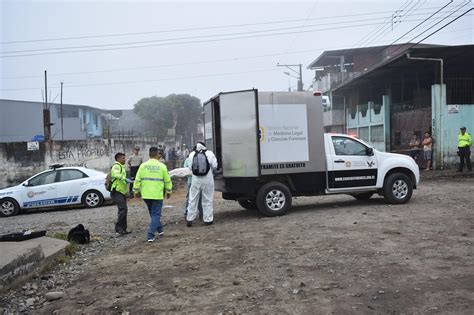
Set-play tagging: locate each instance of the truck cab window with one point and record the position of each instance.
(348, 146)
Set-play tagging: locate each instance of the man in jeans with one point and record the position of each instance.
(428, 149)
(119, 191)
(151, 181)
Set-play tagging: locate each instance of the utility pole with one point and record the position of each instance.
(62, 121)
(299, 73)
(46, 114)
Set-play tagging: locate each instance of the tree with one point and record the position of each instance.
(181, 112)
(187, 112)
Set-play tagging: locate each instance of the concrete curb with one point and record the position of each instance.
(441, 174)
(21, 260)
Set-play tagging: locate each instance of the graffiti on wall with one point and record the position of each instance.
(81, 151)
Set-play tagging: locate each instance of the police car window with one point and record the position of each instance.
(43, 179)
(66, 175)
(347, 146)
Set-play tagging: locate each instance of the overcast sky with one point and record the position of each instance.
(137, 49)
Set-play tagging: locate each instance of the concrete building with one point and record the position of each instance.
(23, 121)
(410, 90)
(334, 68)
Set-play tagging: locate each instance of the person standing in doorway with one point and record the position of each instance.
(428, 149)
(119, 191)
(134, 162)
(414, 146)
(464, 149)
(151, 183)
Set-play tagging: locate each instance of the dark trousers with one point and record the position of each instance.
(133, 173)
(121, 201)
(465, 154)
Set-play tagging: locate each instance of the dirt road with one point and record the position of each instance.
(328, 255)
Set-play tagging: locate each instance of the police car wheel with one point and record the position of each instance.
(398, 188)
(9, 207)
(92, 199)
(273, 199)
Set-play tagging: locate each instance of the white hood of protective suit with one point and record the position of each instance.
(200, 147)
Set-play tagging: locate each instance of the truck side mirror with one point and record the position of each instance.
(369, 151)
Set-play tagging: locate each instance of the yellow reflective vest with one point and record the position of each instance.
(152, 179)
(464, 140)
(118, 176)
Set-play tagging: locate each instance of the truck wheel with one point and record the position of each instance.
(397, 188)
(363, 196)
(9, 207)
(249, 204)
(273, 199)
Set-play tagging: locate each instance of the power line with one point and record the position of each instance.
(186, 42)
(389, 26)
(419, 24)
(214, 75)
(377, 29)
(168, 65)
(179, 38)
(439, 29)
(189, 29)
(153, 80)
(194, 41)
(187, 63)
(304, 24)
(430, 27)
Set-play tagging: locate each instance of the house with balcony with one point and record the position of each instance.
(405, 92)
(333, 68)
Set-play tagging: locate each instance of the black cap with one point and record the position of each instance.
(463, 128)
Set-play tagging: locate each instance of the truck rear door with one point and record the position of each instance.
(234, 129)
(350, 164)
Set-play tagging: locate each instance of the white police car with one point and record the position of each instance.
(56, 187)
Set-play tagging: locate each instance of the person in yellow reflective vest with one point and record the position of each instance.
(464, 149)
(119, 191)
(152, 182)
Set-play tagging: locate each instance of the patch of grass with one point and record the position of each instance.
(58, 235)
(71, 249)
(62, 260)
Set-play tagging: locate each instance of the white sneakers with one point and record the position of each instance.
(151, 240)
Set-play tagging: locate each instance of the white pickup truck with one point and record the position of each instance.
(271, 147)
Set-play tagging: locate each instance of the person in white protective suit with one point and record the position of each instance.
(203, 184)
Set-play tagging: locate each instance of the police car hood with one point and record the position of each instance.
(9, 190)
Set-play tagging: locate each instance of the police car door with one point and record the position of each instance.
(40, 191)
(72, 184)
(351, 164)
